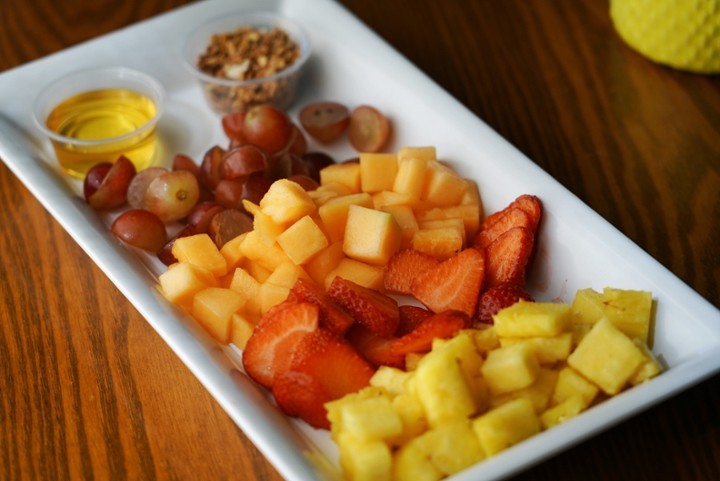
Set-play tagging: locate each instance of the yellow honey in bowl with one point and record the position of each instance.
(99, 126)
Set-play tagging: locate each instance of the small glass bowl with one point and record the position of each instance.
(226, 95)
(96, 115)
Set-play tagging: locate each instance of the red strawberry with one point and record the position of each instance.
(332, 317)
(404, 267)
(530, 204)
(442, 325)
(324, 367)
(269, 349)
(453, 284)
(507, 257)
(411, 317)
(373, 309)
(375, 349)
(499, 297)
(511, 217)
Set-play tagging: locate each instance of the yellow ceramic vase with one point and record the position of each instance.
(684, 34)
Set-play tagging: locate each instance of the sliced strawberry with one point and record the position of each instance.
(410, 318)
(499, 297)
(530, 204)
(332, 316)
(373, 309)
(511, 217)
(269, 349)
(375, 349)
(324, 367)
(507, 257)
(404, 267)
(453, 284)
(442, 325)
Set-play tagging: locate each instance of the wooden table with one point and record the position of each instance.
(89, 391)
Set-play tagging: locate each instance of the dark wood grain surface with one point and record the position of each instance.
(89, 391)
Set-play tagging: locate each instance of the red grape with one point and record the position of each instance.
(141, 229)
(268, 128)
(369, 130)
(325, 121)
(139, 184)
(211, 167)
(298, 142)
(112, 191)
(172, 195)
(256, 186)
(94, 178)
(201, 215)
(317, 161)
(184, 162)
(229, 224)
(242, 161)
(165, 252)
(229, 193)
(306, 182)
(232, 125)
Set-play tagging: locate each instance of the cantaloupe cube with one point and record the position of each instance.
(324, 262)
(405, 219)
(442, 243)
(371, 236)
(548, 350)
(271, 295)
(532, 319)
(607, 357)
(286, 275)
(368, 275)
(266, 228)
(423, 152)
(200, 250)
(302, 240)
(241, 329)
(569, 384)
(232, 252)
(443, 187)
(509, 368)
(377, 171)
(258, 271)
(213, 308)
(286, 201)
(244, 283)
(410, 177)
(182, 280)
(447, 222)
(268, 256)
(334, 213)
(469, 213)
(560, 413)
(442, 388)
(387, 198)
(506, 425)
(472, 196)
(345, 174)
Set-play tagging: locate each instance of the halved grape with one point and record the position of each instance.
(141, 229)
(229, 193)
(94, 178)
(211, 167)
(257, 186)
(165, 254)
(185, 162)
(172, 195)
(325, 121)
(268, 128)
(369, 130)
(201, 215)
(298, 142)
(242, 161)
(232, 125)
(229, 224)
(139, 184)
(112, 191)
(305, 181)
(316, 161)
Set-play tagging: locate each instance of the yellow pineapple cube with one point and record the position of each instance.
(629, 310)
(506, 425)
(538, 393)
(587, 306)
(560, 413)
(649, 368)
(371, 236)
(391, 379)
(200, 250)
(377, 171)
(548, 350)
(345, 174)
(485, 337)
(182, 281)
(607, 357)
(324, 262)
(443, 187)
(232, 253)
(286, 201)
(213, 308)
(370, 276)
(241, 329)
(302, 240)
(363, 460)
(531, 319)
(412, 414)
(411, 463)
(509, 368)
(334, 213)
(452, 447)
(442, 388)
(371, 419)
(334, 408)
(410, 177)
(570, 383)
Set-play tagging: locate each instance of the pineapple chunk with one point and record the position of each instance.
(377, 171)
(506, 425)
(364, 460)
(485, 338)
(391, 379)
(334, 408)
(371, 419)
(412, 414)
(606, 357)
(532, 319)
(560, 413)
(509, 368)
(452, 447)
(649, 368)
(548, 350)
(629, 310)
(412, 463)
(538, 393)
(569, 384)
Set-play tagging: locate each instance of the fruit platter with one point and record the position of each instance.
(396, 276)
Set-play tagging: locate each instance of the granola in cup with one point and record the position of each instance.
(248, 59)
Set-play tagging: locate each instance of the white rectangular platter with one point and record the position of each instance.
(577, 248)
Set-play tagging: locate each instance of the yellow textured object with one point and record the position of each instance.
(684, 34)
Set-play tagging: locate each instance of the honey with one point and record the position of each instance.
(100, 125)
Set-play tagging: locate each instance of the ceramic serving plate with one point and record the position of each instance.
(577, 248)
